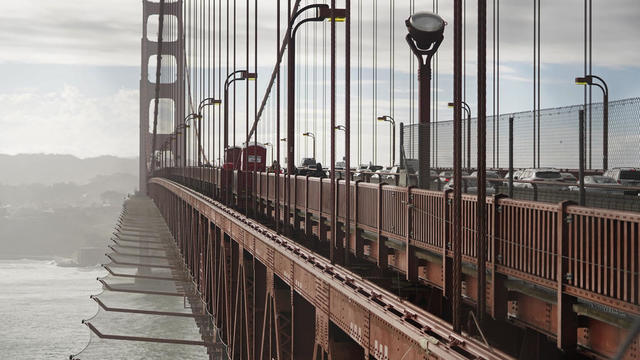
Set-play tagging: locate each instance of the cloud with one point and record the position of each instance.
(70, 122)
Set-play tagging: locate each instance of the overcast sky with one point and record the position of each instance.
(70, 70)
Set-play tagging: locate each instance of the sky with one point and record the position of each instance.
(70, 70)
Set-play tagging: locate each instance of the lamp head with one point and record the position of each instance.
(245, 75)
(214, 101)
(324, 12)
(425, 28)
(586, 80)
(451, 105)
(381, 118)
(283, 139)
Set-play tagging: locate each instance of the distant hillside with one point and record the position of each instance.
(49, 169)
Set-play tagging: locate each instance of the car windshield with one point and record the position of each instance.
(630, 175)
(548, 175)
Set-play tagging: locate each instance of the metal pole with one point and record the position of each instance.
(481, 215)
(581, 156)
(605, 132)
(456, 289)
(314, 147)
(424, 138)
(277, 139)
(511, 156)
(469, 138)
(401, 145)
(333, 244)
(291, 98)
(347, 131)
(393, 144)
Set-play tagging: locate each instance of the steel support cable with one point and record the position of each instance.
(235, 26)
(276, 70)
(359, 82)
(314, 55)
(538, 82)
(374, 58)
(255, 88)
(535, 93)
(324, 87)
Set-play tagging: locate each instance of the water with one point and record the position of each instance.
(41, 308)
(42, 305)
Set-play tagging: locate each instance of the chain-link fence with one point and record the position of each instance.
(555, 146)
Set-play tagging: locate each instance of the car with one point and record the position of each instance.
(626, 176)
(447, 175)
(364, 172)
(471, 184)
(568, 177)
(516, 175)
(612, 187)
(413, 177)
(540, 174)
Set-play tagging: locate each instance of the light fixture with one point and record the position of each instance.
(426, 33)
(425, 28)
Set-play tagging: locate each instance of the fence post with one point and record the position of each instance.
(358, 234)
(411, 260)
(382, 247)
(446, 240)
(511, 157)
(567, 319)
(499, 296)
(581, 155)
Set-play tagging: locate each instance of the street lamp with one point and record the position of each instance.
(204, 103)
(588, 80)
(426, 32)
(323, 12)
(467, 109)
(270, 145)
(389, 119)
(185, 143)
(234, 76)
(313, 136)
(341, 128)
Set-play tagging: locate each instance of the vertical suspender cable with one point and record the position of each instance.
(539, 68)
(277, 137)
(535, 54)
(590, 87)
(493, 74)
(375, 80)
(360, 82)
(498, 84)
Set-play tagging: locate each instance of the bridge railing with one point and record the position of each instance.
(592, 253)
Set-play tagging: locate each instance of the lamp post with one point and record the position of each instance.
(313, 136)
(588, 80)
(389, 119)
(270, 145)
(426, 32)
(323, 12)
(467, 109)
(231, 78)
(185, 143)
(204, 103)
